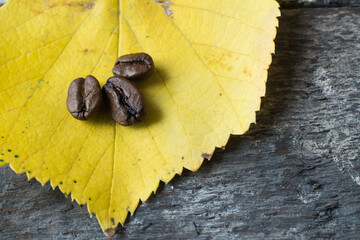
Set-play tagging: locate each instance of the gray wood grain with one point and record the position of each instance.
(294, 175)
(318, 3)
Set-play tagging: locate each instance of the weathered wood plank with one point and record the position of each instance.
(295, 175)
(318, 3)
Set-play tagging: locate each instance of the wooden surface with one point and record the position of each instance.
(318, 3)
(294, 175)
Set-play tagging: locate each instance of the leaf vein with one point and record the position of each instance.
(168, 90)
(224, 15)
(26, 53)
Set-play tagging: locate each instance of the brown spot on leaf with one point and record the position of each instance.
(52, 5)
(109, 232)
(35, 10)
(206, 155)
(246, 72)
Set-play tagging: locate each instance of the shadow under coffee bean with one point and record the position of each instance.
(126, 103)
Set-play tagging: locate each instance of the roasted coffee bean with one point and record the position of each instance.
(84, 97)
(134, 66)
(125, 101)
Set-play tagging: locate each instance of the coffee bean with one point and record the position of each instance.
(134, 66)
(84, 97)
(125, 101)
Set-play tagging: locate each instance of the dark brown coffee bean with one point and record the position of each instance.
(84, 97)
(134, 66)
(125, 101)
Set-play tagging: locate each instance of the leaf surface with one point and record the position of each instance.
(211, 63)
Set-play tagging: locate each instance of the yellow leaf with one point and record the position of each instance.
(211, 62)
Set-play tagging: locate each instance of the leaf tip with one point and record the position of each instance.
(109, 232)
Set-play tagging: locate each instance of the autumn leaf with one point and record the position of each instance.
(211, 61)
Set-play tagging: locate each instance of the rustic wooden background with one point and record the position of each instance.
(294, 175)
